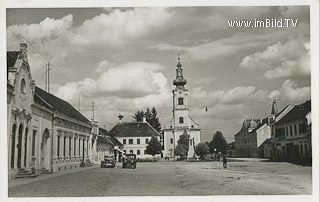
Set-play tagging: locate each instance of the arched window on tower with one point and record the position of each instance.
(180, 119)
(23, 86)
(180, 101)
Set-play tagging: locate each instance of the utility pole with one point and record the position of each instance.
(79, 102)
(48, 77)
(93, 111)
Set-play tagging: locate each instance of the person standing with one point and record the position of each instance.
(225, 162)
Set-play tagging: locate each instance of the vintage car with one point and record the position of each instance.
(109, 161)
(129, 161)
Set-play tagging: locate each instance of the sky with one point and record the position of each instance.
(124, 60)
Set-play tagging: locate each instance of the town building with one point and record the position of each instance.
(105, 147)
(116, 145)
(45, 133)
(252, 134)
(134, 136)
(254, 138)
(293, 134)
(181, 122)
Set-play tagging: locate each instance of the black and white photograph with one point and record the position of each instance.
(170, 100)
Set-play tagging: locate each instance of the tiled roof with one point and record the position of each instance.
(61, 106)
(298, 112)
(112, 138)
(133, 129)
(12, 57)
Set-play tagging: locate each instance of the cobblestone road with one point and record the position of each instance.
(173, 178)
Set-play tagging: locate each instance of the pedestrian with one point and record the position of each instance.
(225, 162)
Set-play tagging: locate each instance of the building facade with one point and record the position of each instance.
(45, 134)
(293, 135)
(181, 122)
(134, 136)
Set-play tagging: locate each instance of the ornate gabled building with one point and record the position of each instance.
(181, 122)
(45, 133)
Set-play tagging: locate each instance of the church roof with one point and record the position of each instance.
(59, 105)
(133, 129)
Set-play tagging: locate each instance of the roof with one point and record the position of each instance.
(59, 105)
(133, 129)
(267, 141)
(260, 124)
(112, 138)
(12, 57)
(104, 139)
(298, 112)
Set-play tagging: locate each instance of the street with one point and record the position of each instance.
(174, 178)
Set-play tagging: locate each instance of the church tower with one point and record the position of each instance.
(181, 123)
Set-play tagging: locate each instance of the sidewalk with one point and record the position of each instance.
(21, 181)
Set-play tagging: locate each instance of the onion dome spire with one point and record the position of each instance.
(179, 82)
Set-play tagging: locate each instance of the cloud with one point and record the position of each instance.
(48, 29)
(239, 95)
(103, 66)
(291, 93)
(281, 60)
(129, 80)
(120, 27)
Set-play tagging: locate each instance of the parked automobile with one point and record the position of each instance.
(129, 161)
(108, 161)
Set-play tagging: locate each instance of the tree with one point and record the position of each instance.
(202, 149)
(154, 120)
(151, 117)
(138, 115)
(183, 145)
(154, 146)
(219, 143)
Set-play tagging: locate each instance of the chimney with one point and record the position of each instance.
(120, 118)
(144, 119)
(23, 47)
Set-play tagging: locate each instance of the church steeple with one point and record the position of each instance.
(274, 109)
(179, 82)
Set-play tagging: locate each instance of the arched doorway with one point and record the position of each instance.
(44, 149)
(25, 147)
(13, 144)
(20, 144)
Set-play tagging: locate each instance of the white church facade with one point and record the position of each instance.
(181, 122)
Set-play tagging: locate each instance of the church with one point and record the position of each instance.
(181, 123)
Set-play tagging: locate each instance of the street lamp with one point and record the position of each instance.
(215, 155)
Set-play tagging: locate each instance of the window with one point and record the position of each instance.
(180, 101)
(124, 141)
(34, 142)
(295, 129)
(306, 149)
(171, 140)
(70, 146)
(190, 142)
(180, 119)
(74, 146)
(58, 147)
(147, 141)
(302, 128)
(23, 86)
(64, 146)
(286, 131)
(138, 141)
(131, 151)
(290, 130)
(138, 152)
(145, 151)
(124, 151)
(130, 141)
